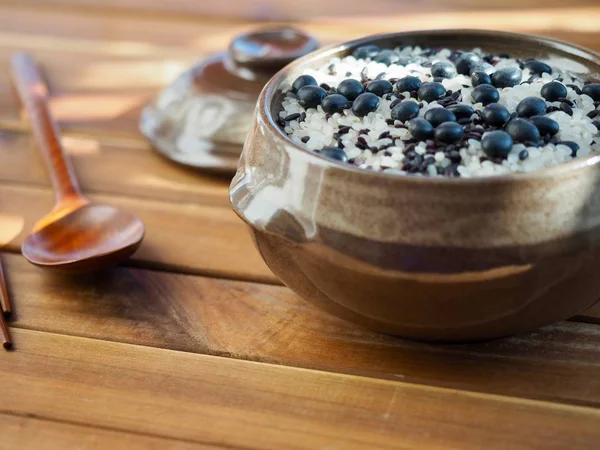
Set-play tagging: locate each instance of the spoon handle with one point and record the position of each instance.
(34, 94)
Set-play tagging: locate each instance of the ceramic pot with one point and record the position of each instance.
(434, 259)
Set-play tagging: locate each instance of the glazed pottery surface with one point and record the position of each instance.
(435, 259)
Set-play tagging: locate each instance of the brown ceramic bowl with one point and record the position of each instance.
(436, 259)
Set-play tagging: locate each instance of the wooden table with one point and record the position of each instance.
(194, 344)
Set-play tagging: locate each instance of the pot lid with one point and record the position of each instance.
(202, 118)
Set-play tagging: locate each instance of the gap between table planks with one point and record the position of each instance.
(270, 324)
(220, 401)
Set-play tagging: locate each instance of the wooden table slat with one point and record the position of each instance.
(116, 167)
(227, 402)
(290, 9)
(270, 324)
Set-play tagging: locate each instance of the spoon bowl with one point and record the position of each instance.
(76, 236)
(85, 239)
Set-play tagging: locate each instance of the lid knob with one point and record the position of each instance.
(270, 49)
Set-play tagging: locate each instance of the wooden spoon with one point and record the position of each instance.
(76, 236)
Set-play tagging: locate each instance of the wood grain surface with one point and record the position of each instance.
(28, 432)
(194, 344)
(220, 401)
(293, 9)
(271, 324)
(113, 166)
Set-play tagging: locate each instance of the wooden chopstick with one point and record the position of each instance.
(6, 311)
(6, 340)
(5, 305)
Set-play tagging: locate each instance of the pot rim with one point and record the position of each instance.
(266, 116)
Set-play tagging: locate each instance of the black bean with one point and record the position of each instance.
(523, 155)
(592, 90)
(292, 117)
(301, 81)
(302, 117)
(596, 123)
(593, 113)
(364, 131)
(566, 108)
(344, 129)
(553, 91)
(400, 126)
(325, 86)
(305, 139)
(384, 135)
(575, 88)
(362, 140)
